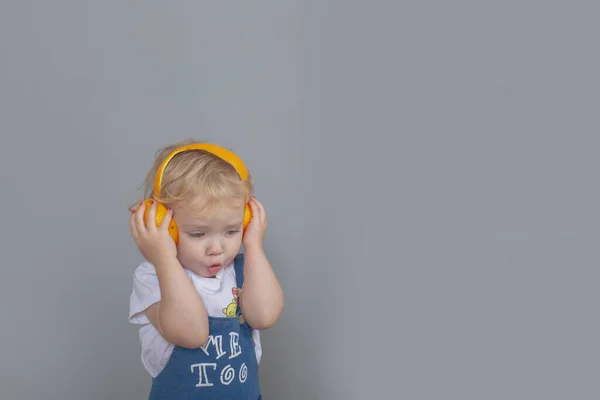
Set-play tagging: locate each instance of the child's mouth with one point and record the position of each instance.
(214, 269)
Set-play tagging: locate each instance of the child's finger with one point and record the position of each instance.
(132, 226)
(151, 218)
(253, 208)
(260, 206)
(263, 215)
(164, 225)
(260, 210)
(139, 218)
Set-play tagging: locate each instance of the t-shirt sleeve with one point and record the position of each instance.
(146, 291)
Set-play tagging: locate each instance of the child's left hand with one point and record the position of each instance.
(255, 232)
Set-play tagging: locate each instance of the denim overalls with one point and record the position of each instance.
(225, 368)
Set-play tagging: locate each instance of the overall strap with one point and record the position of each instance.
(238, 266)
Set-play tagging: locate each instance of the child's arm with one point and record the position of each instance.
(180, 316)
(262, 297)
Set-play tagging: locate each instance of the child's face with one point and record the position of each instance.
(209, 241)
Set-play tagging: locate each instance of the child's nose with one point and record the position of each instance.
(215, 248)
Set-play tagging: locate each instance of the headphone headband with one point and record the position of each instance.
(221, 152)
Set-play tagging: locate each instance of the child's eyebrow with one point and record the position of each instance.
(206, 226)
(195, 226)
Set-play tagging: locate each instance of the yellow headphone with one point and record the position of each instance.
(226, 155)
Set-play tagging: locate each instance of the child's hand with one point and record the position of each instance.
(255, 232)
(155, 242)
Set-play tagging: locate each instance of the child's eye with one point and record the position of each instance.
(197, 234)
(232, 232)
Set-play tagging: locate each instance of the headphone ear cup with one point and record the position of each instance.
(161, 211)
(247, 216)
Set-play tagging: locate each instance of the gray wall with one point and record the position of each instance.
(431, 188)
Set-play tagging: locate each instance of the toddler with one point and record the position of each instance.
(199, 301)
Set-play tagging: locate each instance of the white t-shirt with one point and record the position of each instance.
(219, 295)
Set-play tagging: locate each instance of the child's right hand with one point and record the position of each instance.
(154, 242)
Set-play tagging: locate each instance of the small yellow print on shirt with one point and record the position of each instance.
(231, 309)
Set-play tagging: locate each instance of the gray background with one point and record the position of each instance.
(429, 171)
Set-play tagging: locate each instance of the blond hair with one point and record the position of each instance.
(196, 178)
